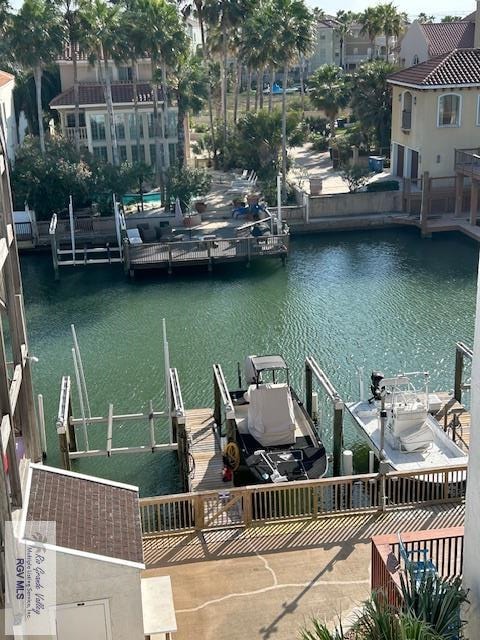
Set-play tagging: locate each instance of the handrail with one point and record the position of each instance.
(222, 387)
(53, 225)
(176, 390)
(323, 379)
(62, 415)
(467, 352)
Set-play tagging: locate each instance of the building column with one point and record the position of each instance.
(474, 202)
(459, 180)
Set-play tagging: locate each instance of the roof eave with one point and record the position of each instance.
(102, 104)
(474, 85)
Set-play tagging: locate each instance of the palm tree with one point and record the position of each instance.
(293, 24)
(73, 23)
(226, 15)
(192, 90)
(38, 23)
(100, 25)
(329, 91)
(422, 18)
(371, 26)
(450, 19)
(392, 23)
(162, 36)
(345, 20)
(197, 8)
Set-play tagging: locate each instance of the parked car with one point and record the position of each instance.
(295, 89)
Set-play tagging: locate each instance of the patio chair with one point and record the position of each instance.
(420, 568)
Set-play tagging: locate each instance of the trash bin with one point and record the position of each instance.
(341, 123)
(375, 163)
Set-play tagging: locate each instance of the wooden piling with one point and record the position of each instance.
(457, 393)
(337, 437)
(308, 389)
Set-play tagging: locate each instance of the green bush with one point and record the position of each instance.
(355, 177)
(319, 142)
(318, 125)
(185, 184)
(387, 185)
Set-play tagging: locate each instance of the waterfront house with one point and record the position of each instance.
(7, 113)
(435, 110)
(94, 125)
(423, 41)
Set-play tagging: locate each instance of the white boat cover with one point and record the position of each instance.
(271, 418)
(410, 428)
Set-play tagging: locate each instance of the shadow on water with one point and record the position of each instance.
(383, 299)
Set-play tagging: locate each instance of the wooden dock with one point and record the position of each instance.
(454, 419)
(206, 452)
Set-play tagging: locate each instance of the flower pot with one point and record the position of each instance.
(200, 206)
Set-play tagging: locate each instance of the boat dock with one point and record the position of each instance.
(454, 418)
(206, 451)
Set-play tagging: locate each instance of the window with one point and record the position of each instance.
(172, 153)
(172, 121)
(151, 125)
(120, 126)
(153, 155)
(97, 126)
(449, 106)
(100, 153)
(122, 153)
(135, 155)
(322, 37)
(415, 59)
(125, 74)
(407, 111)
(71, 120)
(132, 127)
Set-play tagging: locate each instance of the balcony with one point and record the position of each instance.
(70, 134)
(406, 120)
(445, 549)
(467, 162)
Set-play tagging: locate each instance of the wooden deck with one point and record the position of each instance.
(455, 419)
(167, 255)
(206, 451)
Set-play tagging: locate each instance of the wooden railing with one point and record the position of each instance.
(307, 499)
(468, 161)
(82, 133)
(444, 547)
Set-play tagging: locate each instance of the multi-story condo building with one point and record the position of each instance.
(327, 44)
(94, 125)
(358, 48)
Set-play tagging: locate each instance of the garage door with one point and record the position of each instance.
(83, 620)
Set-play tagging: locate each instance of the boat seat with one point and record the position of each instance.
(271, 418)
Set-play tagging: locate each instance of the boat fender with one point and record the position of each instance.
(231, 456)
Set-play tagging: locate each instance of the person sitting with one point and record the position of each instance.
(256, 231)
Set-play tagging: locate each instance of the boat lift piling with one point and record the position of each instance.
(461, 352)
(313, 369)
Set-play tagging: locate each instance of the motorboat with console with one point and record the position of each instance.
(408, 434)
(276, 440)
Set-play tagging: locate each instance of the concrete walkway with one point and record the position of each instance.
(267, 582)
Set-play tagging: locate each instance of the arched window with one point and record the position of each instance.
(415, 59)
(407, 111)
(449, 110)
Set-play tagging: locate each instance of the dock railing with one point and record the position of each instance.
(303, 500)
(444, 548)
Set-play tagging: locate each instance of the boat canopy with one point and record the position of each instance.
(267, 363)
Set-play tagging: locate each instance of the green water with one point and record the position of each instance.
(385, 300)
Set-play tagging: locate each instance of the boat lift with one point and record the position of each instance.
(67, 424)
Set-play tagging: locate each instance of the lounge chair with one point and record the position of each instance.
(419, 569)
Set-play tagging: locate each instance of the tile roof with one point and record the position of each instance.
(446, 36)
(90, 516)
(458, 67)
(92, 93)
(5, 77)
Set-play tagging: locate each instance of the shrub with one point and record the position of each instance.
(319, 142)
(318, 125)
(387, 185)
(355, 177)
(185, 184)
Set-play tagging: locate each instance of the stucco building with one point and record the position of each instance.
(326, 44)
(94, 125)
(7, 113)
(435, 110)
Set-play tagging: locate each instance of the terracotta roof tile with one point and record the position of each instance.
(446, 36)
(90, 516)
(458, 67)
(5, 77)
(92, 93)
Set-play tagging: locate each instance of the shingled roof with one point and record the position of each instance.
(457, 68)
(443, 37)
(5, 77)
(91, 514)
(93, 94)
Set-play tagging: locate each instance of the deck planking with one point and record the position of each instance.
(450, 409)
(206, 452)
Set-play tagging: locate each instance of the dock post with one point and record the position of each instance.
(457, 393)
(169, 261)
(474, 202)
(180, 431)
(209, 253)
(217, 409)
(337, 437)
(459, 180)
(425, 205)
(126, 256)
(53, 243)
(308, 389)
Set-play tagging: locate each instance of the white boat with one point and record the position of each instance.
(408, 434)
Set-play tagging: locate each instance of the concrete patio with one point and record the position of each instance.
(267, 582)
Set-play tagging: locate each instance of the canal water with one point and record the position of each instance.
(382, 300)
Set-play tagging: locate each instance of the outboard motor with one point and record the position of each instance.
(375, 387)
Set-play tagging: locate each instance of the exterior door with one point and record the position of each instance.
(414, 168)
(83, 620)
(400, 160)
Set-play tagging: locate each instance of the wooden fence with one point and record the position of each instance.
(308, 499)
